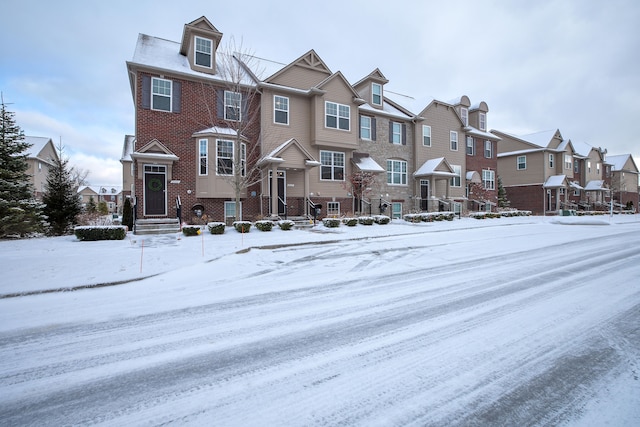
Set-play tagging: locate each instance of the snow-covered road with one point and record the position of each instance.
(526, 324)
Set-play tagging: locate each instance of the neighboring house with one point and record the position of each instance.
(126, 160)
(40, 158)
(188, 139)
(624, 180)
(536, 170)
(111, 195)
(481, 156)
(590, 188)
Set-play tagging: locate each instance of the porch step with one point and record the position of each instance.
(157, 226)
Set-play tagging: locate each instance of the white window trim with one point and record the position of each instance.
(333, 166)
(518, 163)
(394, 134)
(218, 141)
(488, 148)
(482, 118)
(373, 94)
(337, 116)
(489, 177)
(196, 51)
(464, 114)
(552, 161)
(170, 96)
(275, 109)
(472, 146)
(428, 129)
(402, 174)
(239, 107)
(456, 181)
(205, 156)
(453, 137)
(333, 208)
(366, 127)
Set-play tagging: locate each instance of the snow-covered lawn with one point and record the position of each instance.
(510, 321)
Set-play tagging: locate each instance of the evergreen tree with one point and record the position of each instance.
(62, 205)
(91, 206)
(127, 214)
(20, 213)
(502, 195)
(103, 209)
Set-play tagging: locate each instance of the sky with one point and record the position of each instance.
(570, 65)
(384, 325)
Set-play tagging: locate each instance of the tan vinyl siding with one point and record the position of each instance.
(336, 92)
(300, 77)
(533, 174)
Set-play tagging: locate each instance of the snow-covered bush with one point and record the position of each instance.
(366, 220)
(381, 219)
(286, 224)
(216, 227)
(264, 225)
(108, 232)
(413, 218)
(242, 226)
(331, 222)
(351, 222)
(191, 230)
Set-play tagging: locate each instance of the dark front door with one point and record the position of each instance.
(424, 194)
(281, 193)
(154, 193)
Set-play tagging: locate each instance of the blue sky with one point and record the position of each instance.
(571, 65)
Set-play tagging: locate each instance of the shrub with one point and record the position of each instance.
(350, 222)
(264, 225)
(286, 224)
(191, 230)
(242, 226)
(381, 219)
(366, 220)
(413, 218)
(216, 227)
(92, 233)
(331, 222)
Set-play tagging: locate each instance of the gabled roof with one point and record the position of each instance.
(595, 185)
(481, 134)
(435, 167)
(556, 181)
(620, 161)
(310, 60)
(275, 156)
(104, 190)
(339, 75)
(200, 24)
(541, 139)
(376, 76)
(156, 150)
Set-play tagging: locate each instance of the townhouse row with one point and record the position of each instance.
(227, 135)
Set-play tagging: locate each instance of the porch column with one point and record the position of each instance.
(306, 191)
(274, 189)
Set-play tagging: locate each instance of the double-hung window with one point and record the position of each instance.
(232, 103)
(576, 166)
(489, 179)
(453, 138)
(203, 48)
(161, 94)
(365, 128)
(376, 94)
(456, 181)
(204, 156)
(396, 172)
(337, 116)
(332, 166)
(396, 133)
(281, 110)
(470, 146)
(521, 161)
(482, 117)
(488, 149)
(551, 160)
(464, 114)
(568, 161)
(426, 136)
(224, 159)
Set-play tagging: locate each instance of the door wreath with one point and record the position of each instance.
(154, 184)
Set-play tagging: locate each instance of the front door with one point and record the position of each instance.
(281, 191)
(424, 194)
(155, 194)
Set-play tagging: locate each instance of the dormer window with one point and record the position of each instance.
(483, 121)
(464, 114)
(203, 49)
(376, 94)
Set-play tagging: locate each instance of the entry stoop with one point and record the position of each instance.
(157, 226)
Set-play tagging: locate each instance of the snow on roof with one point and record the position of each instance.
(514, 153)
(582, 148)
(430, 168)
(595, 185)
(165, 54)
(217, 130)
(128, 147)
(618, 161)
(106, 190)
(480, 133)
(555, 181)
(388, 109)
(37, 144)
(541, 139)
(367, 164)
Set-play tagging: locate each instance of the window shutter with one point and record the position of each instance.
(177, 96)
(244, 107)
(360, 128)
(146, 92)
(373, 128)
(390, 131)
(404, 134)
(220, 103)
